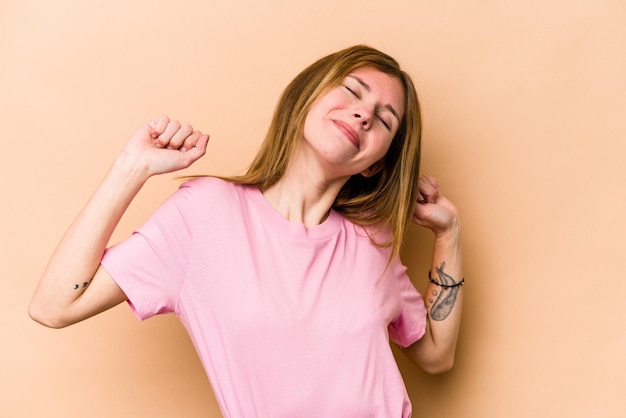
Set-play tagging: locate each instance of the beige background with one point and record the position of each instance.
(525, 125)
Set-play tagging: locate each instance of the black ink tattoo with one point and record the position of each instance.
(85, 284)
(447, 297)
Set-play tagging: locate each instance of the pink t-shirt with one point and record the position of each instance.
(288, 320)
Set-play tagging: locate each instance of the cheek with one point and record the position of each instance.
(314, 116)
(317, 120)
(382, 146)
(310, 126)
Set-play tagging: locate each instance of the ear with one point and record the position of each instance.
(373, 169)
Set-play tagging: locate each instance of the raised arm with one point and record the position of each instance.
(435, 351)
(74, 286)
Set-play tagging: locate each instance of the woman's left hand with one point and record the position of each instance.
(433, 210)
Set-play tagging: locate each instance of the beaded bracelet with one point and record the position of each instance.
(445, 286)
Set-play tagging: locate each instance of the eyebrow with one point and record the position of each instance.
(367, 87)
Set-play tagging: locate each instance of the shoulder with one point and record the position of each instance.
(214, 195)
(208, 186)
(206, 183)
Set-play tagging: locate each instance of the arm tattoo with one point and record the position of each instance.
(442, 306)
(84, 285)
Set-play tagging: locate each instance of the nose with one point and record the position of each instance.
(363, 118)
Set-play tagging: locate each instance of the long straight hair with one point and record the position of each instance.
(383, 201)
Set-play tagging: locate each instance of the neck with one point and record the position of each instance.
(302, 195)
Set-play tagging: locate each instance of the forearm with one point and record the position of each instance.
(78, 255)
(444, 299)
(435, 351)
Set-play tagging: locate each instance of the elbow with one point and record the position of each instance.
(44, 317)
(430, 358)
(439, 365)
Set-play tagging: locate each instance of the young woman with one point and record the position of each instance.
(288, 278)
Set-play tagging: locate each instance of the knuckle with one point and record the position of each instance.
(174, 125)
(160, 140)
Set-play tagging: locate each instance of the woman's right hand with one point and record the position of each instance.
(163, 146)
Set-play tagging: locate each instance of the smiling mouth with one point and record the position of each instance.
(348, 133)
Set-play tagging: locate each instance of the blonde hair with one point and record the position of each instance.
(384, 200)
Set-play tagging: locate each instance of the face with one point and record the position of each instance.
(350, 128)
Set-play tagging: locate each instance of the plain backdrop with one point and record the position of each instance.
(525, 125)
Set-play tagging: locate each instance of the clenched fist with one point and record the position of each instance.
(163, 146)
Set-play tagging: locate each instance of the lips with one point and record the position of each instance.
(348, 132)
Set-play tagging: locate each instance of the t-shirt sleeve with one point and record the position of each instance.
(150, 265)
(410, 325)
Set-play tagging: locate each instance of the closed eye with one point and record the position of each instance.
(351, 91)
(384, 123)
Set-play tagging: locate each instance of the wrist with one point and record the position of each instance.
(452, 233)
(131, 168)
